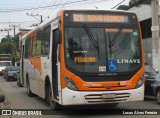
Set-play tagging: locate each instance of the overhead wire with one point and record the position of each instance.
(64, 5)
(17, 22)
(33, 7)
(41, 7)
(55, 4)
(87, 4)
(38, 6)
(49, 11)
(34, 4)
(52, 6)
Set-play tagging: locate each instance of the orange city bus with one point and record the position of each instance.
(84, 57)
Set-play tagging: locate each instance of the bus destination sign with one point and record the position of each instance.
(104, 18)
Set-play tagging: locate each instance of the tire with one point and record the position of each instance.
(54, 105)
(29, 92)
(20, 85)
(7, 78)
(19, 82)
(158, 96)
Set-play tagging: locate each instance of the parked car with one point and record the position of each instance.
(11, 72)
(152, 83)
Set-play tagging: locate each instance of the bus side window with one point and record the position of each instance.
(32, 46)
(38, 43)
(46, 40)
(27, 47)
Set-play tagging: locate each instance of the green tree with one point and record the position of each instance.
(7, 38)
(10, 45)
(6, 47)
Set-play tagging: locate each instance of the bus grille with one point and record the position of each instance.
(100, 98)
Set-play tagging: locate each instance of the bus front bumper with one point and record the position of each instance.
(70, 97)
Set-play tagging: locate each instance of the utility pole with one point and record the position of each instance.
(155, 35)
(34, 15)
(14, 28)
(6, 30)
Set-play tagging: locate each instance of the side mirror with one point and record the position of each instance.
(58, 37)
(157, 70)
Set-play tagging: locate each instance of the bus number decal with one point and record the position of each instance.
(102, 68)
(125, 83)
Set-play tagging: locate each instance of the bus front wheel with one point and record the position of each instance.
(158, 96)
(54, 105)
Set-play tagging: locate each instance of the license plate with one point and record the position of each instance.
(108, 95)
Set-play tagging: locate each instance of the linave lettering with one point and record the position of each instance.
(128, 61)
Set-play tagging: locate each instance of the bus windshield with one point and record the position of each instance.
(103, 49)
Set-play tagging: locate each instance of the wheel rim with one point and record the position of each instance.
(158, 96)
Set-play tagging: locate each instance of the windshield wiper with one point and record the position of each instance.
(94, 42)
(114, 40)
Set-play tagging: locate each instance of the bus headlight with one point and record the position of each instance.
(70, 84)
(140, 82)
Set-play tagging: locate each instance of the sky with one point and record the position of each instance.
(14, 12)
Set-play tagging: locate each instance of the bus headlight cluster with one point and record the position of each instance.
(140, 82)
(70, 84)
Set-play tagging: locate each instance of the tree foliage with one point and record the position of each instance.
(6, 47)
(10, 45)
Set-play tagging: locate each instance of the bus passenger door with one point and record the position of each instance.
(55, 62)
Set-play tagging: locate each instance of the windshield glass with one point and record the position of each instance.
(102, 49)
(5, 64)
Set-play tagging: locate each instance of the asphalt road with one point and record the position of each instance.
(17, 98)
